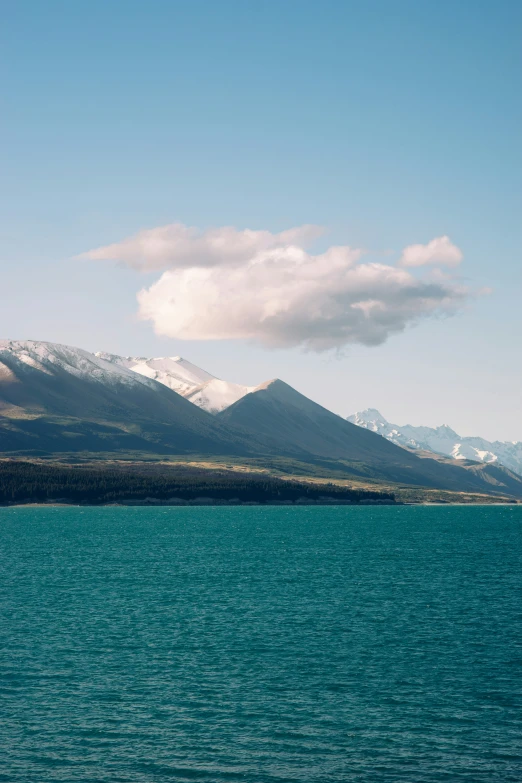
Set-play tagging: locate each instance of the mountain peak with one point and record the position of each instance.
(372, 413)
(267, 384)
(446, 431)
(370, 418)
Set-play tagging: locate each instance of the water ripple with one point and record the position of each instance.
(319, 645)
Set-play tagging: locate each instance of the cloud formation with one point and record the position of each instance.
(177, 245)
(440, 251)
(255, 285)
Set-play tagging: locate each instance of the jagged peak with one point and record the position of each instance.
(371, 412)
(369, 416)
(446, 430)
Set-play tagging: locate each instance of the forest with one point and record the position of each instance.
(94, 484)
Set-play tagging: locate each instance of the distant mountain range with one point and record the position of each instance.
(55, 399)
(442, 440)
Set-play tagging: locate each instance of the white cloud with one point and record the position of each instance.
(255, 285)
(177, 245)
(286, 298)
(439, 251)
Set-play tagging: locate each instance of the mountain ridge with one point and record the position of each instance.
(442, 440)
(59, 399)
(295, 425)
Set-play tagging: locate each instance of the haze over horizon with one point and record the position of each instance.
(283, 191)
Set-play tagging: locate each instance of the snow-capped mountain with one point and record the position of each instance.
(51, 357)
(200, 387)
(56, 398)
(442, 440)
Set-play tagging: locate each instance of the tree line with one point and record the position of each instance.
(34, 482)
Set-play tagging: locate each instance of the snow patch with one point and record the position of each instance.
(216, 395)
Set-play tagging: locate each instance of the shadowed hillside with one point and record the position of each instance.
(57, 398)
(295, 426)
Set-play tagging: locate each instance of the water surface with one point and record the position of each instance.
(261, 644)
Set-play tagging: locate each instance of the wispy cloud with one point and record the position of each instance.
(177, 245)
(256, 285)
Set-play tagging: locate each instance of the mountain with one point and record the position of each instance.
(61, 400)
(293, 425)
(200, 387)
(58, 398)
(443, 440)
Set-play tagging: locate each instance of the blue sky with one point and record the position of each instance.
(389, 123)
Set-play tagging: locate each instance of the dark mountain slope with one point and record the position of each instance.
(293, 425)
(58, 398)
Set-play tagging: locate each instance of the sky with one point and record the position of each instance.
(328, 193)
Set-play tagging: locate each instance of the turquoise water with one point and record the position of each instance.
(261, 644)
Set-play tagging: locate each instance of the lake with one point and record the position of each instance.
(317, 644)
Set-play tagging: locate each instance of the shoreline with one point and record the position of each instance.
(273, 504)
(199, 504)
(195, 484)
